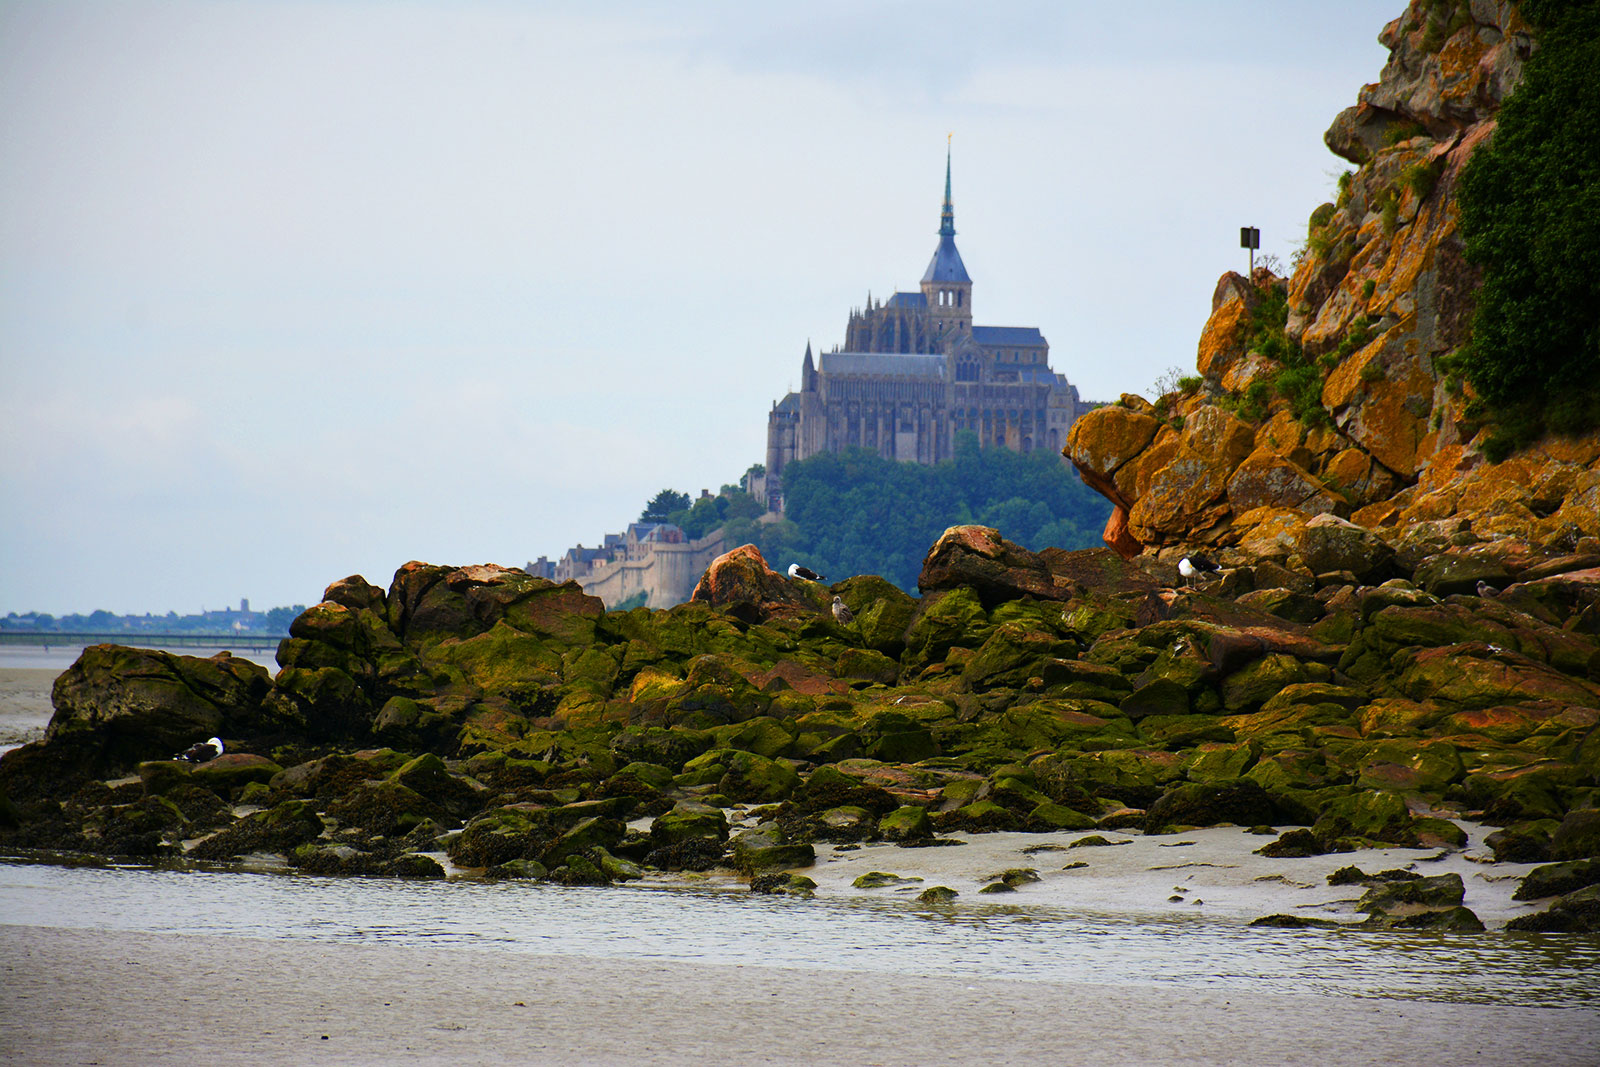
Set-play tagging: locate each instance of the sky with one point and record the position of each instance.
(296, 290)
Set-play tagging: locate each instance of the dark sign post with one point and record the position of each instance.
(1250, 237)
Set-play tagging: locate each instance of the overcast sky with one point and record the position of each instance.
(290, 291)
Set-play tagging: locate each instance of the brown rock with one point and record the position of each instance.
(1210, 429)
(1381, 398)
(1266, 480)
(357, 594)
(977, 556)
(741, 581)
(1118, 537)
(1105, 439)
(1227, 331)
(1186, 495)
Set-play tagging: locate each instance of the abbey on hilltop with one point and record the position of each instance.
(914, 372)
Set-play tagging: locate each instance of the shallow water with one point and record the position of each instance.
(734, 927)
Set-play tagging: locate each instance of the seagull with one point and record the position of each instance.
(201, 751)
(841, 614)
(1487, 591)
(797, 571)
(1189, 566)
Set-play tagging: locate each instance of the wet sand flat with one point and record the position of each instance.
(88, 997)
(24, 704)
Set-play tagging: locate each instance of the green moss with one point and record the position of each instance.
(1420, 178)
(1389, 210)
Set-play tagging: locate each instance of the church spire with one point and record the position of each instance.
(946, 269)
(947, 217)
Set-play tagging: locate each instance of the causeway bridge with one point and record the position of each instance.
(234, 642)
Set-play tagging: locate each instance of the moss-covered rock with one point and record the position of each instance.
(1158, 697)
(895, 737)
(953, 618)
(882, 611)
(1013, 654)
(906, 823)
(867, 665)
(1437, 891)
(1556, 879)
(1240, 801)
(1048, 815)
(1263, 679)
(766, 847)
(880, 879)
(689, 819)
(1525, 842)
(749, 777)
(1578, 836)
(125, 705)
(1411, 766)
(783, 883)
(1374, 815)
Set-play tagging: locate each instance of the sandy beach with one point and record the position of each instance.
(85, 997)
(24, 704)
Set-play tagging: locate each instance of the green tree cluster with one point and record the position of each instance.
(1530, 216)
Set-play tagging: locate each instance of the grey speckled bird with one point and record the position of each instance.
(841, 614)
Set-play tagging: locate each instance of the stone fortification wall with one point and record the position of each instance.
(666, 573)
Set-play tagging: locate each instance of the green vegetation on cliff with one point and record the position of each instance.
(1530, 213)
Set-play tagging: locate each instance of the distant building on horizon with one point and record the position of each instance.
(914, 372)
(655, 559)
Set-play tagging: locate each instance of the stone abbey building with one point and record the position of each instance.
(914, 371)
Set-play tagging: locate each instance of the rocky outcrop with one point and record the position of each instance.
(1370, 693)
(1328, 392)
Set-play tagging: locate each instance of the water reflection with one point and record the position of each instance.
(970, 941)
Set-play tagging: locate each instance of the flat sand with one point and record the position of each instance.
(24, 704)
(89, 997)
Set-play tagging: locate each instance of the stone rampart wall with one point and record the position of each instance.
(666, 574)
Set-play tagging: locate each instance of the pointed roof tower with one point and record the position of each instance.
(946, 265)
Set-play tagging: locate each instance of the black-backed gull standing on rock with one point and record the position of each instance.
(797, 571)
(841, 614)
(201, 751)
(1196, 564)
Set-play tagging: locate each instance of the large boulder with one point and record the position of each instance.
(740, 582)
(133, 704)
(428, 603)
(978, 557)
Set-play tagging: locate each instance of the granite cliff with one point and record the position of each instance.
(1333, 391)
